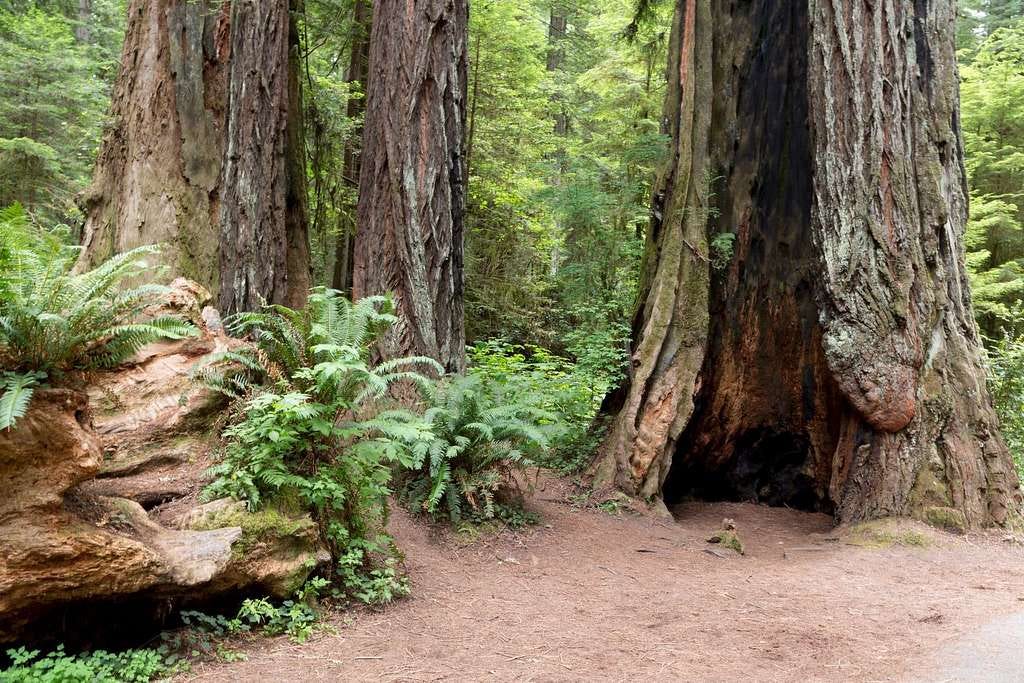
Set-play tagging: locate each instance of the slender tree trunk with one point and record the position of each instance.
(830, 360)
(358, 69)
(411, 192)
(474, 103)
(83, 30)
(558, 25)
(264, 250)
(197, 77)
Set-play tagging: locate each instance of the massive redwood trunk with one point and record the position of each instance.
(411, 190)
(264, 245)
(157, 177)
(196, 75)
(828, 358)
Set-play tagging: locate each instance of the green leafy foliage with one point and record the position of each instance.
(133, 666)
(332, 128)
(204, 636)
(54, 322)
(510, 235)
(375, 586)
(1006, 382)
(15, 394)
(993, 127)
(309, 425)
(721, 249)
(480, 436)
(54, 92)
(564, 139)
(978, 19)
(570, 392)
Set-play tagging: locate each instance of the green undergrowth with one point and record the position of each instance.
(202, 637)
(507, 518)
(132, 666)
(568, 391)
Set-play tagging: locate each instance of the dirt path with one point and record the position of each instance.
(991, 653)
(592, 596)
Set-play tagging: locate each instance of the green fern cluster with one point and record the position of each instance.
(321, 349)
(310, 426)
(478, 440)
(54, 321)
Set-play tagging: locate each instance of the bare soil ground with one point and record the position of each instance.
(593, 596)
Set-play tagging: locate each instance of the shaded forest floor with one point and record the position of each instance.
(590, 595)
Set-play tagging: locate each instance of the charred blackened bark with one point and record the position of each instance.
(157, 177)
(411, 192)
(204, 150)
(842, 370)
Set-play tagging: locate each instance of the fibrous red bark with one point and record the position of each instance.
(833, 363)
(194, 75)
(264, 245)
(411, 191)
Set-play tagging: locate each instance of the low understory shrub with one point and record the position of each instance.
(568, 393)
(57, 325)
(481, 436)
(201, 636)
(133, 666)
(309, 426)
(1006, 382)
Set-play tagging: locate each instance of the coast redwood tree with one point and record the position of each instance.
(805, 333)
(412, 185)
(200, 80)
(264, 241)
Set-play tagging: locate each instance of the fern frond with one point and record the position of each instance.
(17, 394)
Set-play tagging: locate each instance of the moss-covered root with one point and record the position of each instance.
(886, 533)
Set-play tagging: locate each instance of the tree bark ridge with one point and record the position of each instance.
(411, 193)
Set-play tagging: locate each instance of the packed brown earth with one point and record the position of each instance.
(596, 595)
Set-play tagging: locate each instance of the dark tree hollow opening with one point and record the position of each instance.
(119, 623)
(767, 467)
(765, 417)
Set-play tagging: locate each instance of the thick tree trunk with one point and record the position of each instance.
(411, 192)
(832, 362)
(358, 69)
(671, 326)
(264, 253)
(205, 146)
(157, 177)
